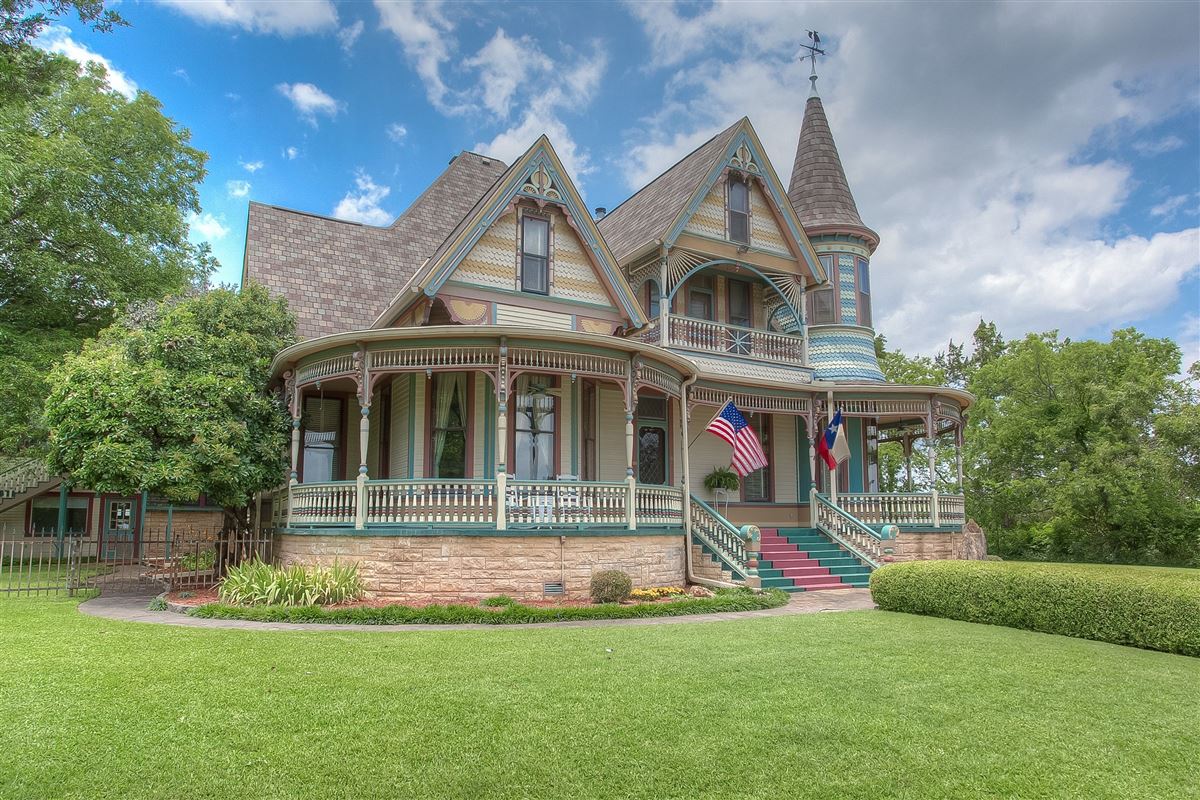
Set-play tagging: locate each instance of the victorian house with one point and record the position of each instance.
(501, 392)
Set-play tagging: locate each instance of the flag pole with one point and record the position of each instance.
(832, 472)
(714, 416)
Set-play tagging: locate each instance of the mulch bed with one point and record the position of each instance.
(200, 597)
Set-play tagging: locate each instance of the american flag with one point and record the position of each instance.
(731, 426)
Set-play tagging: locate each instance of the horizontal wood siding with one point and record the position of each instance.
(532, 317)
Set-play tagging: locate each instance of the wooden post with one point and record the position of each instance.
(803, 322)
(501, 499)
(810, 424)
(364, 438)
(296, 402)
(930, 440)
(663, 317)
(630, 478)
(832, 472)
(958, 459)
(685, 468)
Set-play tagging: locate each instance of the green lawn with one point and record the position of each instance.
(847, 705)
(20, 576)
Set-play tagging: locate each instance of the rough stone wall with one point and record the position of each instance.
(927, 546)
(450, 568)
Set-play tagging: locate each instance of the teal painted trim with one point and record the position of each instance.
(186, 507)
(546, 297)
(142, 514)
(60, 534)
(412, 424)
(487, 531)
(741, 265)
(854, 431)
(568, 197)
(777, 194)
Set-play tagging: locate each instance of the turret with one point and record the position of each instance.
(841, 336)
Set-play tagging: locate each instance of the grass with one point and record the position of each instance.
(846, 705)
(16, 575)
(505, 613)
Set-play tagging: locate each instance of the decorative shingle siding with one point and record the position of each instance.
(338, 275)
(847, 296)
(709, 219)
(492, 262)
(839, 353)
(765, 233)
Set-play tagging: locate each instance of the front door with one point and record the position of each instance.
(652, 454)
(119, 533)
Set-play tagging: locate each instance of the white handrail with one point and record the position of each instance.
(851, 533)
(719, 337)
(736, 547)
(903, 509)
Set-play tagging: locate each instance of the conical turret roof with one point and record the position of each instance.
(819, 191)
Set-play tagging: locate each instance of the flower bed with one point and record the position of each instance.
(722, 601)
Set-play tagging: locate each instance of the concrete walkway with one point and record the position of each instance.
(131, 608)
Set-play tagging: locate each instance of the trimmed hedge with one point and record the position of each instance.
(724, 600)
(1156, 609)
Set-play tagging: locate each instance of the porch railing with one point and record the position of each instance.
(848, 531)
(736, 548)
(474, 502)
(333, 503)
(717, 337)
(464, 501)
(905, 509)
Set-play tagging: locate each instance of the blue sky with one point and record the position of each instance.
(1018, 164)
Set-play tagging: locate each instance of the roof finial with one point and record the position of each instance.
(814, 50)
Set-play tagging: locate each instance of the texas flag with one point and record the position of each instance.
(832, 447)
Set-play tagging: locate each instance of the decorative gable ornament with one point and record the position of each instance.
(541, 184)
(743, 159)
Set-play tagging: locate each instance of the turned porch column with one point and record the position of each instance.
(663, 305)
(958, 459)
(295, 403)
(907, 444)
(832, 472)
(630, 478)
(501, 513)
(931, 445)
(364, 437)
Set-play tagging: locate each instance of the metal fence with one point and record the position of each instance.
(123, 561)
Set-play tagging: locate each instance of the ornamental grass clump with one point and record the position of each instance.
(256, 583)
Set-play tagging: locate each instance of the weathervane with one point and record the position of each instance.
(814, 50)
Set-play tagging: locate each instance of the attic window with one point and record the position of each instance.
(535, 254)
(739, 212)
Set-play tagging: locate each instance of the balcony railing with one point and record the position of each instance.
(717, 337)
(905, 509)
(474, 502)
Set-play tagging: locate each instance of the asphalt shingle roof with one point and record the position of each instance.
(339, 276)
(646, 215)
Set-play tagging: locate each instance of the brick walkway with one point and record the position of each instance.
(131, 608)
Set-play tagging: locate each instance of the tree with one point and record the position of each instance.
(23, 20)
(1086, 450)
(95, 191)
(172, 400)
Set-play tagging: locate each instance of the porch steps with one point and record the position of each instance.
(805, 560)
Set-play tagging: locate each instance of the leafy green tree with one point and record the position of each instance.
(894, 468)
(95, 191)
(1086, 450)
(22, 20)
(172, 400)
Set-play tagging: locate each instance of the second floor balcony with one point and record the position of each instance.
(707, 336)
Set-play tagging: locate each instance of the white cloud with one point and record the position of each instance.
(251, 166)
(1188, 338)
(1168, 208)
(261, 16)
(208, 226)
(396, 132)
(233, 97)
(968, 158)
(182, 74)
(424, 33)
(57, 39)
(361, 204)
(310, 101)
(504, 64)
(237, 188)
(1156, 147)
(290, 152)
(348, 35)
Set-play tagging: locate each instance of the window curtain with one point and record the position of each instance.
(534, 435)
(450, 386)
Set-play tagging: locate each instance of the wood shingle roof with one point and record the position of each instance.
(819, 190)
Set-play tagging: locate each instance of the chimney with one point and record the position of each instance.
(601, 212)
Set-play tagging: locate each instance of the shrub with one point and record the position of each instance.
(255, 583)
(498, 601)
(201, 561)
(157, 604)
(506, 615)
(1157, 609)
(611, 586)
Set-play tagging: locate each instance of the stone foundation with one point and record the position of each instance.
(927, 545)
(451, 568)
